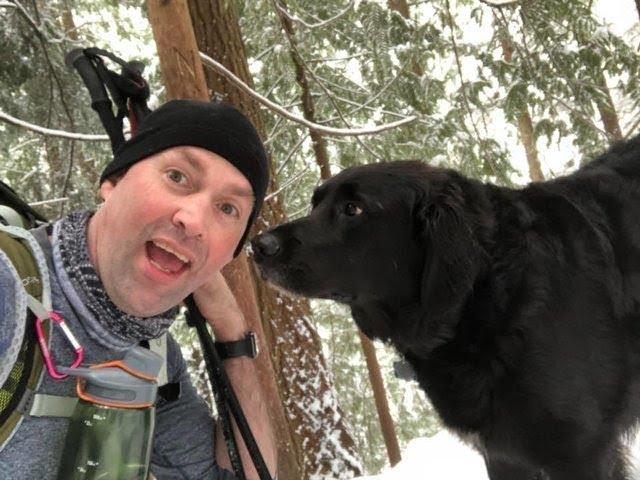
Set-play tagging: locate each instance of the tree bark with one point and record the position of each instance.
(402, 7)
(524, 123)
(183, 76)
(313, 445)
(608, 114)
(638, 7)
(319, 144)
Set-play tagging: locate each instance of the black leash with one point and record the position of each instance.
(130, 92)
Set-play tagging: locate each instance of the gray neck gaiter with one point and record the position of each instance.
(104, 321)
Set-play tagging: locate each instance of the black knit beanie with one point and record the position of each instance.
(217, 127)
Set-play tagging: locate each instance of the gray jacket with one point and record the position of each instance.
(183, 439)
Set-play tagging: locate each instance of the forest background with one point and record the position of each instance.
(506, 91)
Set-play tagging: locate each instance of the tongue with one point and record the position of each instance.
(167, 261)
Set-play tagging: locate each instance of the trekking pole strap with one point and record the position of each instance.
(218, 376)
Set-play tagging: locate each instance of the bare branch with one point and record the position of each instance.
(289, 156)
(46, 202)
(336, 132)
(288, 184)
(500, 3)
(7, 5)
(5, 117)
(323, 23)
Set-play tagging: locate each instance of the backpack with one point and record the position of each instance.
(25, 374)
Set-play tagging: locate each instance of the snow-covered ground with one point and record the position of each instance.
(445, 457)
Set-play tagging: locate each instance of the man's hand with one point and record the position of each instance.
(219, 307)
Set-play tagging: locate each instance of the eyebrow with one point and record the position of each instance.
(193, 162)
(232, 190)
(240, 192)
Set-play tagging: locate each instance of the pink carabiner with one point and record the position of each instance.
(45, 349)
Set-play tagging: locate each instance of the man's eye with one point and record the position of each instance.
(176, 176)
(351, 209)
(229, 209)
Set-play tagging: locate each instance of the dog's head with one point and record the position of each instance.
(388, 239)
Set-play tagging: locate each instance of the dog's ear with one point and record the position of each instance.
(453, 256)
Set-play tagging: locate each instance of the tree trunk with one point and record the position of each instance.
(608, 114)
(322, 159)
(183, 76)
(525, 124)
(638, 7)
(402, 7)
(88, 170)
(320, 444)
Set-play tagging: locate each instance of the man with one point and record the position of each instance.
(179, 199)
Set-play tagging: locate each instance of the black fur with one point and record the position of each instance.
(519, 310)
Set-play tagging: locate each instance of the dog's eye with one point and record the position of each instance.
(352, 209)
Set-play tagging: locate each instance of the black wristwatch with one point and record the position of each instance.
(247, 347)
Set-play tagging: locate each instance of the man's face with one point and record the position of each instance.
(166, 226)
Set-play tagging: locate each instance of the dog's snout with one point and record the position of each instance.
(267, 244)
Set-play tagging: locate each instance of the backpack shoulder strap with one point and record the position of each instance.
(29, 265)
(159, 346)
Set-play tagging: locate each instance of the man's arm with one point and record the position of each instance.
(218, 306)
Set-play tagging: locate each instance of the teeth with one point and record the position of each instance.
(167, 248)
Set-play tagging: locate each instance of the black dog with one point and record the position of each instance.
(519, 310)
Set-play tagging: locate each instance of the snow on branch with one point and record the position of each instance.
(330, 131)
(48, 202)
(5, 117)
(500, 3)
(323, 23)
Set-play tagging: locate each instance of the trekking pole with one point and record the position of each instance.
(100, 101)
(195, 320)
(220, 381)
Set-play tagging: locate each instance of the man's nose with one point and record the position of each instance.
(266, 244)
(191, 217)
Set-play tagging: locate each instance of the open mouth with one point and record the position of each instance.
(165, 259)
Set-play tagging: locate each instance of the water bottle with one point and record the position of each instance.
(111, 430)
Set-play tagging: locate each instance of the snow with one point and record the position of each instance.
(445, 457)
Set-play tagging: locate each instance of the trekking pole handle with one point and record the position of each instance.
(77, 59)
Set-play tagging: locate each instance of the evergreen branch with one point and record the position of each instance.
(322, 23)
(5, 117)
(463, 88)
(302, 69)
(331, 131)
(526, 55)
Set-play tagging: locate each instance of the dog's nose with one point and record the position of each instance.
(267, 244)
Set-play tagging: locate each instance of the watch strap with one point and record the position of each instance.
(245, 347)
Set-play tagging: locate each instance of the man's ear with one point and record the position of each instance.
(108, 185)
(453, 257)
